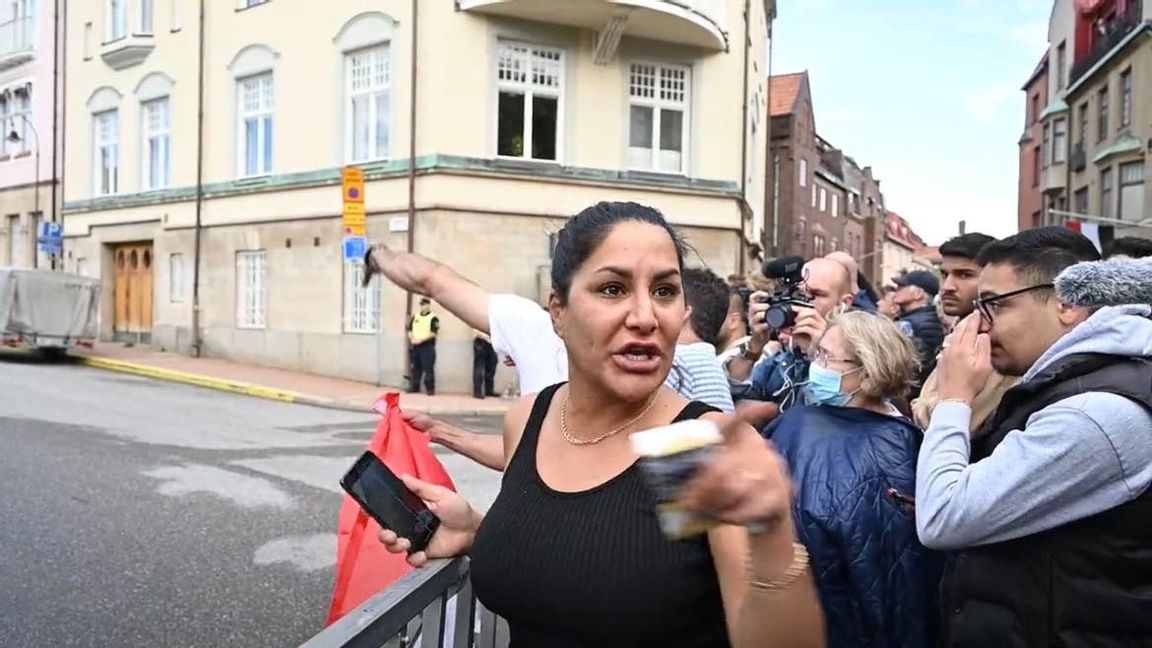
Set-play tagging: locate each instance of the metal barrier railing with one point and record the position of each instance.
(416, 611)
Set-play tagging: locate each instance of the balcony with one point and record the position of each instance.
(127, 51)
(698, 23)
(17, 41)
(1078, 160)
(1053, 178)
(1110, 36)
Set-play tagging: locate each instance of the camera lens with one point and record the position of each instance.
(779, 316)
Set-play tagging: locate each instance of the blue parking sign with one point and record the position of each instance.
(355, 247)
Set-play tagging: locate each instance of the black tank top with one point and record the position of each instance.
(592, 568)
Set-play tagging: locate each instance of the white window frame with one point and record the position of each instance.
(176, 15)
(251, 290)
(7, 123)
(102, 140)
(803, 174)
(372, 92)
(156, 176)
(361, 304)
(176, 278)
(266, 150)
(1107, 193)
(835, 205)
(823, 199)
(1130, 175)
(659, 104)
(530, 90)
(115, 20)
(145, 17)
(1059, 140)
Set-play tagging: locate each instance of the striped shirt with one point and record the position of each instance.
(697, 375)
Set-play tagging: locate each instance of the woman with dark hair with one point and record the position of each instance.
(571, 552)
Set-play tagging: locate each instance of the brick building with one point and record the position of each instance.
(1030, 201)
(818, 198)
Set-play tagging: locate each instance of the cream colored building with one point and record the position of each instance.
(223, 235)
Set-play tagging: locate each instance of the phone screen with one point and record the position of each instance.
(383, 496)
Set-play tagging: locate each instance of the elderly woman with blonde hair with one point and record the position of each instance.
(853, 461)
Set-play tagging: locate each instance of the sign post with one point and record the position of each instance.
(354, 222)
(51, 238)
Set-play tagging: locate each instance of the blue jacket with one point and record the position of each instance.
(878, 584)
(778, 379)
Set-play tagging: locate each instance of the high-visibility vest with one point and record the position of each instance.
(422, 326)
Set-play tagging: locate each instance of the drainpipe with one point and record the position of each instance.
(412, 151)
(57, 44)
(745, 208)
(197, 342)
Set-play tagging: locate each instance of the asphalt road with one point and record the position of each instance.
(142, 513)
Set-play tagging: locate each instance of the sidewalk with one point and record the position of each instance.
(275, 384)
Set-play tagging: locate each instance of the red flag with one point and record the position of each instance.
(363, 567)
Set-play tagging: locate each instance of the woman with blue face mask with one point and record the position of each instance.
(852, 457)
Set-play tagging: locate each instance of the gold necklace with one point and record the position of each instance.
(580, 442)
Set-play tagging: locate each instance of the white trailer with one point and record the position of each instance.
(48, 310)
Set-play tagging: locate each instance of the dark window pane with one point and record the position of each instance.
(544, 120)
(640, 128)
(671, 130)
(510, 125)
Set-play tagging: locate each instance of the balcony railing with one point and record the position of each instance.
(1114, 32)
(16, 35)
(414, 611)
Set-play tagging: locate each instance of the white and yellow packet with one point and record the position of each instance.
(669, 457)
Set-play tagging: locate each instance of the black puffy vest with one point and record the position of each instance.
(1087, 584)
(928, 335)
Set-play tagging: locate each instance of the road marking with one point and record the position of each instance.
(305, 553)
(242, 490)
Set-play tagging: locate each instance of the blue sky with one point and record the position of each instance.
(927, 92)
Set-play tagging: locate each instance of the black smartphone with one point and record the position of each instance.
(383, 496)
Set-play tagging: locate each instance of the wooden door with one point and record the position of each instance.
(132, 321)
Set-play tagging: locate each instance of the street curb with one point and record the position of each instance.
(249, 389)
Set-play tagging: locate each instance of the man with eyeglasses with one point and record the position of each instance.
(1049, 512)
(958, 295)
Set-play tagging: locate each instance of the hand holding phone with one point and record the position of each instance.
(385, 497)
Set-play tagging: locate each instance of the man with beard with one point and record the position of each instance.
(958, 296)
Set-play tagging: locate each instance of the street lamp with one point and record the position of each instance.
(15, 137)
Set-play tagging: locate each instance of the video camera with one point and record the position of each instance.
(788, 274)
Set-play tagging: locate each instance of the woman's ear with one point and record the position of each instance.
(556, 310)
(687, 315)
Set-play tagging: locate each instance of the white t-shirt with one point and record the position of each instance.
(523, 331)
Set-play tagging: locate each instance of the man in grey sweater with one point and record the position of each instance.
(1049, 511)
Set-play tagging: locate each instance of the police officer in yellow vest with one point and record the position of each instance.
(422, 330)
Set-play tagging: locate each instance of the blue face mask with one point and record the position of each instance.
(823, 387)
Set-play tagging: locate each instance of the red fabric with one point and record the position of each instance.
(1073, 225)
(363, 566)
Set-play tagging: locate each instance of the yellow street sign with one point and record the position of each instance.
(352, 184)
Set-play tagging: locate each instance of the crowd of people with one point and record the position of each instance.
(961, 458)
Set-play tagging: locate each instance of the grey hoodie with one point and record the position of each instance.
(1075, 458)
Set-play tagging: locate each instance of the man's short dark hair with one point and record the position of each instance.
(1039, 254)
(1129, 246)
(710, 299)
(965, 246)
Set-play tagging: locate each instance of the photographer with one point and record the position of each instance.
(810, 293)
